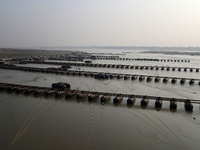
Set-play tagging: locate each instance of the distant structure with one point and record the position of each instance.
(88, 61)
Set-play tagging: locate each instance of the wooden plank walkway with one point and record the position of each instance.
(36, 88)
(118, 66)
(89, 73)
(136, 59)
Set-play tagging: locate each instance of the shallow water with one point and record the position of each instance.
(71, 124)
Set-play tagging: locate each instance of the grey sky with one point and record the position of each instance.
(35, 23)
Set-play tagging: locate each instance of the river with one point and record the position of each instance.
(48, 123)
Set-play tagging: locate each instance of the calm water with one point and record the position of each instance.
(70, 124)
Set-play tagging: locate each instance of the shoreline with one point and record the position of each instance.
(21, 53)
(172, 53)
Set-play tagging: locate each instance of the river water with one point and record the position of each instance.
(48, 123)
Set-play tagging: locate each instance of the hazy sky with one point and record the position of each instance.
(36, 23)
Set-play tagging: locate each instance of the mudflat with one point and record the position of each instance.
(20, 53)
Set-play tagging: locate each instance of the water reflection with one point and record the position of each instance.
(91, 120)
(102, 111)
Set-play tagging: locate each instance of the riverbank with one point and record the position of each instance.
(21, 53)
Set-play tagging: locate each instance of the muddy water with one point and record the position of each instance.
(70, 124)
